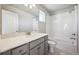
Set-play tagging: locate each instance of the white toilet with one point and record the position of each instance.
(52, 46)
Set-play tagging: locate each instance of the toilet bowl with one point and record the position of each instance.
(52, 46)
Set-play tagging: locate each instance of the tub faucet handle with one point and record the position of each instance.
(74, 34)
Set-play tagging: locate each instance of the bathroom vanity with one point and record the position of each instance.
(34, 44)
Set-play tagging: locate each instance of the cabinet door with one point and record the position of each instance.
(36, 42)
(23, 50)
(46, 47)
(39, 50)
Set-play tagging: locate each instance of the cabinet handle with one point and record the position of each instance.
(73, 34)
(38, 47)
(23, 53)
(73, 38)
(20, 51)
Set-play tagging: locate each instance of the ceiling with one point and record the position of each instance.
(34, 11)
(50, 8)
(55, 7)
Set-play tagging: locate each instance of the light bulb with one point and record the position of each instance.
(26, 4)
(33, 5)
(30, 6)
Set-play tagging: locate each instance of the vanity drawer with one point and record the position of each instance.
(36, 42)
(38, 50)
(23, 50)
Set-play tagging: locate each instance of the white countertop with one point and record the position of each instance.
(12, 42)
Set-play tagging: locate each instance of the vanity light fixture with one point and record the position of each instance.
(30, 5)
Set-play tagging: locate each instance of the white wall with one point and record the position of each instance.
(48, 25)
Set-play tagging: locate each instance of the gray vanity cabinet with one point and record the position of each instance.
(38, 50)
(35, 47)
(22, 50)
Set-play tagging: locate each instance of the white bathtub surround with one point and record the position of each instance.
(11, 42)
(63, 26)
